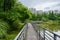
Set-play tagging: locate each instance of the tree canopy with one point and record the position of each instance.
(12, 13)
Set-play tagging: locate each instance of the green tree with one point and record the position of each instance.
(52, 16)
(8, 4)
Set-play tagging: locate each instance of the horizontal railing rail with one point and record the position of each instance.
(21, 35)
(54, 35)
(43, 33)
(47, 34)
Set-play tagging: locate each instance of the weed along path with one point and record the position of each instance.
(31, 33)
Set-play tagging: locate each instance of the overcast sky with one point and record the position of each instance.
(42, 4)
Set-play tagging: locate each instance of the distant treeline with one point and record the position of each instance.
(46, 16)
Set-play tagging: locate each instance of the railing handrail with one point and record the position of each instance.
(38, 31)
(50, 31)
(54, 34)
(20, 32)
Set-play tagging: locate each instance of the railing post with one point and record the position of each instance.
(18, 38)
(44, 33)
(22, 34)
(39, 34)
(54, 36)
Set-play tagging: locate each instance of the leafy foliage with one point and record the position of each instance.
(3, 28)
(46, 16)
(12, 15)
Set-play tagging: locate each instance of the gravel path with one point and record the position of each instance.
(31, 33)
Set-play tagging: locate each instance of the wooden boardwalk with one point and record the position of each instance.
(28, 33)
(31, 33)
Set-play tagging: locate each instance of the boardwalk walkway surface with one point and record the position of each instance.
(31, 33)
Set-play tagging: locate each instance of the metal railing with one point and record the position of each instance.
(21, 35)
(45, 34)
(49, 35)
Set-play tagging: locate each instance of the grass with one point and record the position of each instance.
(51, 25)
(13, 34)
(9, 35)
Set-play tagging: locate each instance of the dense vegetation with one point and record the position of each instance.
(46, 16)
(13, 14)
(50, 20)
(12, 17)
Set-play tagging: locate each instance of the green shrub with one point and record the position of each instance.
(3, 29)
